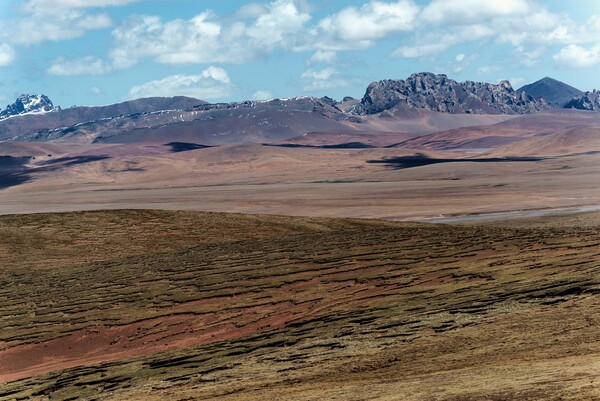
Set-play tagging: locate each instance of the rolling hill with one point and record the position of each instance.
(573, 141)
(155, 305)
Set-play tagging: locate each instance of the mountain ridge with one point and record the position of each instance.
(35, 122)
(437, 92)
(383, 107)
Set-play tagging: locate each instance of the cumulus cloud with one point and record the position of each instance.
(575, 56)
(39, 28)
(538, 27)
(529, 27)
(420, 29)
(327, 78)
(83, 66)
(54, 20)
(203, 39)
(212, 83)
(356, 28)
(466, 12)
(431, 44)
(7, 55)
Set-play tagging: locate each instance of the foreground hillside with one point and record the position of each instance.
(143, 305)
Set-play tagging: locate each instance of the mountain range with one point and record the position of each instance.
(386, 106)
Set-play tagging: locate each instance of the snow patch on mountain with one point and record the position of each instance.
(28, 104)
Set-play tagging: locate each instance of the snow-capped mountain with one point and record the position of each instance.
(28, 104)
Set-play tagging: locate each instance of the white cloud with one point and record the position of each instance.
(83, 66)
(39, 28)
(212, 83)
(262, 95)
(434, 43)
(204, 39)
(354, 28)
(529, 57)
(575, 56)
(327, 78)
(466, 12)
(94, 90)
(55, 20)
(7, 55)
(527, 27)
(321, 56)
(277, 28)
(538, 27)
(251, 11)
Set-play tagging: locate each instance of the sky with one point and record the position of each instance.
(97, 52)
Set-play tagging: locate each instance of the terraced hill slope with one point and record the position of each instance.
(151, 305)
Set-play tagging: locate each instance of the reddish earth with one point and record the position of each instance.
(182, 327)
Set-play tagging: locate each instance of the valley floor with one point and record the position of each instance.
(369, 183)
(154, 305)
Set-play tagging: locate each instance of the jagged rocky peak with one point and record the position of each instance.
(439, 93)
(28, 104)
(588, 101)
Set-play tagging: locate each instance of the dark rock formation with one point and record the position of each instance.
(588, 101)
(439, 93)
(556, 93)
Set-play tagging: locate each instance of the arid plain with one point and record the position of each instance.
(525, 164)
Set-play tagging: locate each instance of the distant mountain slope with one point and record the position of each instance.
(589, 101)
(28, 104)
(212, 124)
(440, 93)
(556, 93)
(423, 103)
(31, 123)
(504, 133)
(254, 122)
(574, 141)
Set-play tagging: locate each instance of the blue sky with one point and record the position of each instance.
(92, 52)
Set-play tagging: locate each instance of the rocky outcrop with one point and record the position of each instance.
(589, 101)
(442, 94)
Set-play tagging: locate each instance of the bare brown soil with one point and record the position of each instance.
(309, 182)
